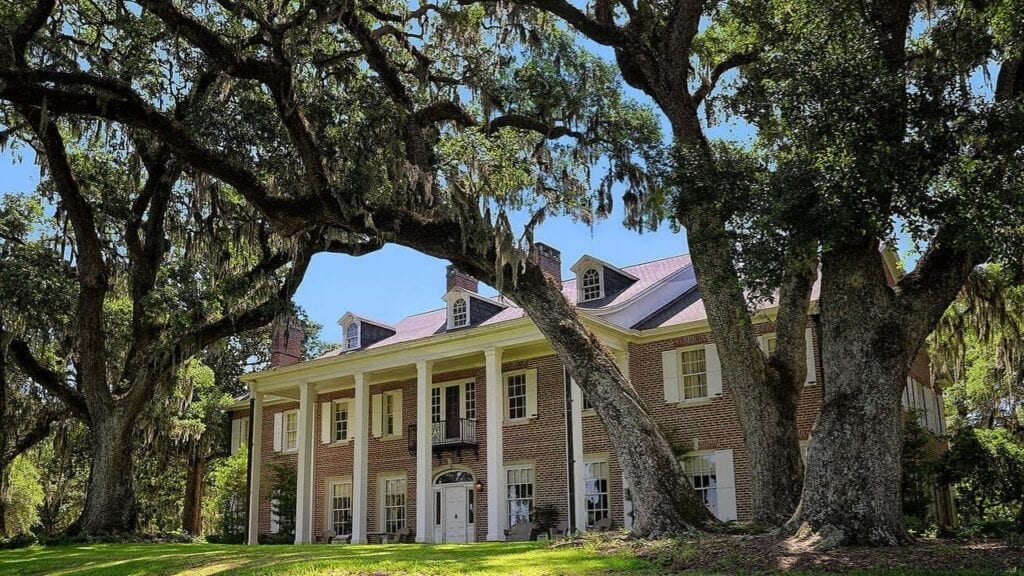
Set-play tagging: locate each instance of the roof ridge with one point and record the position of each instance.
(685, 254)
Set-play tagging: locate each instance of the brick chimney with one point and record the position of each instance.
(549, 260)
(464, 281)
(286, 339)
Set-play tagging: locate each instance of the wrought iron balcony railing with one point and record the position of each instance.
(455, 433)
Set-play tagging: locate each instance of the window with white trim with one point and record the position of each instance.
(275, 516)
(340, 421)
(390, 407)
(595, 485)
(771, 344)
(471, 400)
(394, 504)
(291, 430)
(700, 468)
(694, 373)
(435, 404)
(352, 336)
(590, 285)
(341, 507)
(460, 313)
(519, 486)
(516, 396)
(243, 434)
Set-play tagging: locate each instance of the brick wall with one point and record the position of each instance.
(541, 441)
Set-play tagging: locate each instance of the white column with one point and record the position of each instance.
(360, 461)
(495, 449)
(304, 471)
(580, 501)
(424, 454)
(256, 419)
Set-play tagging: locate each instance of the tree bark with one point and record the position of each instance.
(870, 335)
(765, 390)
(192, 512)
(110, 505)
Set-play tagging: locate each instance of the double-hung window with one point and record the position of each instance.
(519, 485)
(517, 396)
(389, 414)
(701, 470)
(291, 430)
(693, 371)
(394, 504)
(340, 421)
(595, 484)
(341, 507)
(460, 313)
(471, 400)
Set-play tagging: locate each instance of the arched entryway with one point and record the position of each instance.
(454, 506)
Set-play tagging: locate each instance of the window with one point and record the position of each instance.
(471, 400)
(587, 405)
(701, 470)
(517, 396)
(520, 494)
(242, 442)
(291, 430)
(394, 504)
(340, 423)
(460, 313)
(771, 343)
(694, 372)
(389, 414)
(352, 336)
(595, 483)
(590, 284)
(341, 507)
(435, 404)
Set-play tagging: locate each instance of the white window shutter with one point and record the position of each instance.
(275, 519)
(762, 343)
(236, 434)
(726, 485)
(350, 410)
(377, 407)
(812, 373)
(398, 412)
(327, 415)
(531, 393)
(670, 375)
(714, 370)
(278, 431)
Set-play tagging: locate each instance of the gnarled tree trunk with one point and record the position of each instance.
(110, 504)
(765, 390)
(870, 335)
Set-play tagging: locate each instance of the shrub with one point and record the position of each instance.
(986, 468)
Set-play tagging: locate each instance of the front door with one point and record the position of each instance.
(451, 412)
(455, 511)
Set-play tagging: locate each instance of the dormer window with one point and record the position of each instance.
(590, 285)
(460, 313)
(352, 336)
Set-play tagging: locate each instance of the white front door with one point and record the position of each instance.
(455, 512)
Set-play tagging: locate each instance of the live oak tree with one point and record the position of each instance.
(164, 261)
(887, 112)
(723, 196)
(420, 127)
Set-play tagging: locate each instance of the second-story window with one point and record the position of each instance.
(590, 284)
(460, 313)
(352, 336)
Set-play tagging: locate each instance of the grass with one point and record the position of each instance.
(526, 559)
(521, 559)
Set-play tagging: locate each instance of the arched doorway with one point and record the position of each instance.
(454, 506)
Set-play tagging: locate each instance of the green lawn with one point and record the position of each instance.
(526, 558)
(521, 558)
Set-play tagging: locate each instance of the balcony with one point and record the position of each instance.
(454, 435)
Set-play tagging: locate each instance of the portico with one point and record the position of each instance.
(437, 397)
